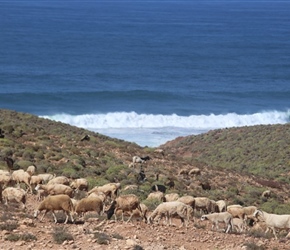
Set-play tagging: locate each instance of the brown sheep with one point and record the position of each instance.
(124, 203)
(89, 204)
(55, 203)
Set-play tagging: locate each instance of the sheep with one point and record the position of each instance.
(202, 203)
(54, 189)
(5, 178)
(249, 211)
(46, 177)
(99, 195)
(59, 180)
(137, 159)
(194, 171)
(145, 158)
(205, 185)
(235, 205)
(159, 151)
(156, 195)
(89, 204)
(14, 194)
(171, 197)
(242, 212)
(31, 170)
(188, 200)
(56, 202)
(212, 207)
(172, 208)
(21, 176)
(222, 205)
(110, 189)
(130, 187)
(183, 171)
(35, 180)
(125, 203)
(41, 193)
(80, 184)
(266, 194)
(239, 225)
(137, 213)
(158, 187)
(273, 221)
(10, 162)
(215, 218)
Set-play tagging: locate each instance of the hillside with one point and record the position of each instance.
(237, 163)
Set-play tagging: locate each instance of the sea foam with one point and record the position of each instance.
(154, 130)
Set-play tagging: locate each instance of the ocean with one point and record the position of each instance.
(147, 71)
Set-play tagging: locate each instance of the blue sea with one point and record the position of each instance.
(147, 71)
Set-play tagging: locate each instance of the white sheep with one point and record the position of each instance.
(99, 195)
(89, 204)
(124, 203)
(41, 194)
(215, 218)
(222, 205)
(21, 176)
(109, 189)
(159, 151)
(14, 194)
(237, 212)
(239, 225)
(194, 171)
(242, 212)
(266, 194)
(130, 187)
(31, 170)
(212, 207)
(5, 178)
(188, 200)
(55, 203)
(35, 180)
(59, 180)
(273, 221)
(183, 171)
(54, 189)
(202, 203)
(171, 197)
(47, 177)
(80, 184)
(170, 209)
(156, 195)
(137, 159)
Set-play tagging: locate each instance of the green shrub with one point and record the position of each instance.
(60, 235)
(10, 226)
(102, 238)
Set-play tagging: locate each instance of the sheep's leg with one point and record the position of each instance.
(130, 217)
(54, 216)
(228, 228)
(66, 217)
(45, 212)
(274, 232)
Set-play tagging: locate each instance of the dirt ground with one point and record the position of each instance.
(96, 233)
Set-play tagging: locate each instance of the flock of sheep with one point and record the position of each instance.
(57, 193)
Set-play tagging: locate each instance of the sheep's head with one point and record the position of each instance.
(204, 217)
